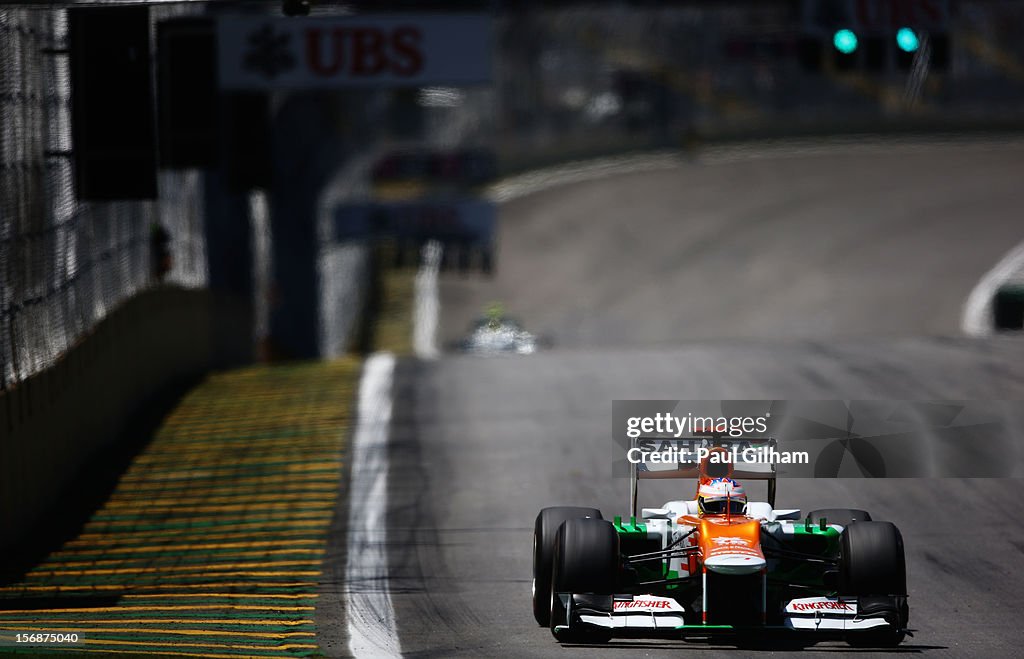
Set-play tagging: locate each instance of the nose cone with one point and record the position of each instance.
(731, 545)
(730, 563)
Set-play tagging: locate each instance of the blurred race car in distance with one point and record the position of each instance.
(464, 167)
(496, 333)
(719, 567)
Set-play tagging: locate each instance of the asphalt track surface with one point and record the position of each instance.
(882, 241)
(818, 276)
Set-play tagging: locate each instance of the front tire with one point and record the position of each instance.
(544, 530)
(586, 560)
(873, 567)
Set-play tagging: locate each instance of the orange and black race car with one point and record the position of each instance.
(719, 566)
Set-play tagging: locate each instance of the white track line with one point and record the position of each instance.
(427, 306)
(371, 618)
(538, 180)
(977, 314)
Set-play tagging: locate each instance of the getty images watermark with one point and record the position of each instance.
(823, 438)
(658, 440)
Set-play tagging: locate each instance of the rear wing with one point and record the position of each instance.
(716, 456)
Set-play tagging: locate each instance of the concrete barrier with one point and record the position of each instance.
(55, 422)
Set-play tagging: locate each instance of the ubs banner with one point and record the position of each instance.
(354, 51)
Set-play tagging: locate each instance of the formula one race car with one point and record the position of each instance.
(719, 567)
(490, 336)
(497, 333)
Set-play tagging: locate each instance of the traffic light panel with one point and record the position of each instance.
(907, 45)
(907, 40)
(844, 43)
(877, 52)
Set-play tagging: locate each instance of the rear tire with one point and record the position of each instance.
(544, 530)
(841, 516)
(873, 567)
(586, 560)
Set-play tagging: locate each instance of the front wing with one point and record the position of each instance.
(649, 616)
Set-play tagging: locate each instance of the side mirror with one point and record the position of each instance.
(787, 514)
(656, 513)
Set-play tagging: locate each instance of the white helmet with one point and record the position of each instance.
(721, 495)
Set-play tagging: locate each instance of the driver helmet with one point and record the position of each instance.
(494, 312)
(721, 495)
